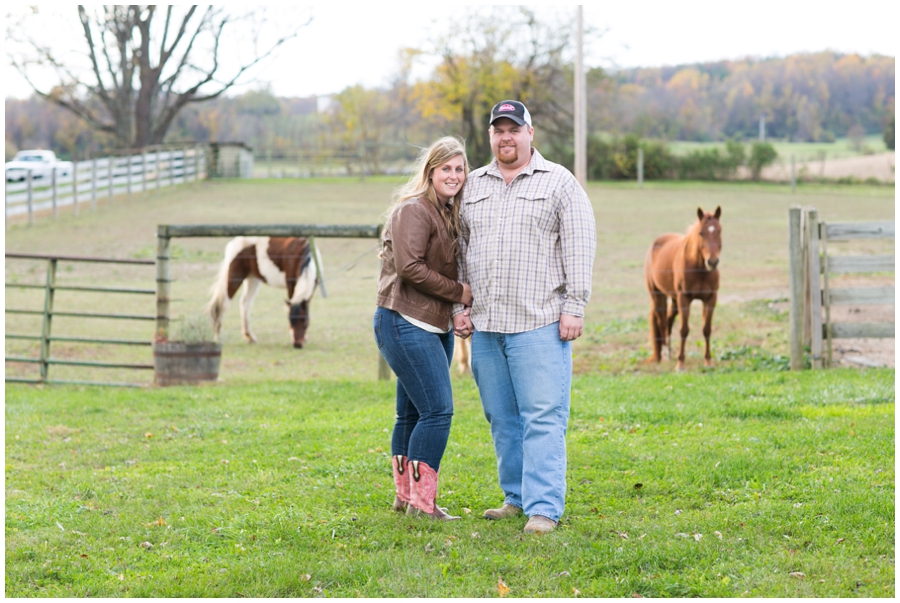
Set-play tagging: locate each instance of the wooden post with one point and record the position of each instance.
(112, 177)
(640, 167)
(815, 287)
(796, 274)
(826, 296)
(94, 184)
(30, 197)
(75, 187)
(47, 318)
(144, 171)
(128, 179)
(162, 280)
(171, 168)
(158, 170)
(53, 189)
(580, 102)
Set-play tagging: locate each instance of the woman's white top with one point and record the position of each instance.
(426, 326)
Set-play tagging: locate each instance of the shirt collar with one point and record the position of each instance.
(537, 164)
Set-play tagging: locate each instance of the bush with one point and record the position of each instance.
(712, 164)
(658, 162)
(194, 329)
(762, 154)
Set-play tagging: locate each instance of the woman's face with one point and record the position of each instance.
(448, 178)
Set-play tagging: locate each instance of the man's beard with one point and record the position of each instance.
(509, 160)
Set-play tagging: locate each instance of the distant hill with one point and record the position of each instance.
(805, 97)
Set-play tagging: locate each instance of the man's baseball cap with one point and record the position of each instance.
(513, 110)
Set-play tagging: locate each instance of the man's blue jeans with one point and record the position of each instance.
(524, 380)
(421, 361)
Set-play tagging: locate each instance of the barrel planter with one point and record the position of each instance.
(178, 363)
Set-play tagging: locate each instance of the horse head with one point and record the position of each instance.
(299, 316)
(710, 231)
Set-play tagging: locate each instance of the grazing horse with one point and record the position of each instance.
(462, 355)
(683, 268)
(284, 262)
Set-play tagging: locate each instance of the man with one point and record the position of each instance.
(527, 242)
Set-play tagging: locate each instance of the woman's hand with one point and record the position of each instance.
(467, 295)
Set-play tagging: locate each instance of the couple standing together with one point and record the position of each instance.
(504, 255)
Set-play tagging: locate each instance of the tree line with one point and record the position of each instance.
(803, 97)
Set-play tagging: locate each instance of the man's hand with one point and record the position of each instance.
(462, 324)
(570, 327)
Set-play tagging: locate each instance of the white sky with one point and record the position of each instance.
(345, 46)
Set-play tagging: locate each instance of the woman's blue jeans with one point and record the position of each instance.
(421, 361)
(524, 381)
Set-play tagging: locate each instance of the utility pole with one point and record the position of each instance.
(580, 102)
(762, 127)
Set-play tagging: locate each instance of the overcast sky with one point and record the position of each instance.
(345, 46)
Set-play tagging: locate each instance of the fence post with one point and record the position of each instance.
(128, 178)
(112, 176)
(640, 168)
(94, 184)
(75, 187)
(171, 167)
(815, 287)
(47, 318)
(144, 171)
(30, 197)
(162, 280)
(53, 191)
(796, 274)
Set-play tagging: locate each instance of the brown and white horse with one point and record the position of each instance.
(284, 262)
(683, 268)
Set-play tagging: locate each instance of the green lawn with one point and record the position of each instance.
(842, 147)
(757, 484)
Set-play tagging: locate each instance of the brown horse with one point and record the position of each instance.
(683, 268)
(284, 262)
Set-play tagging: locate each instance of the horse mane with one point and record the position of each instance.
(692, 244)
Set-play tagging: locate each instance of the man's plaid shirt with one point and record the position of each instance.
(526, 249)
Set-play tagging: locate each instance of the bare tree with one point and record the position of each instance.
(145, 64)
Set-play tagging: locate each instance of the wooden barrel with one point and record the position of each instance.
(178, 363)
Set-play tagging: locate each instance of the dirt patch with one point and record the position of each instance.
(879, 166)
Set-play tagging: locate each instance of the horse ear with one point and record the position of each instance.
(287, 303)
(718, 213)
(700, 214)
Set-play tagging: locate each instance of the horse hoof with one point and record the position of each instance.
(298, 346)
(709, 363)
(680, 367)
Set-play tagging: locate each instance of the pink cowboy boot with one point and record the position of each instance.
(423, 482)
(401, 482)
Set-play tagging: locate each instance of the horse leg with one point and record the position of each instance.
(684, 308)
(708, 307)
(670, 321)
(657, 324)
(251, 288)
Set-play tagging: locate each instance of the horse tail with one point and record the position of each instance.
(218, 303)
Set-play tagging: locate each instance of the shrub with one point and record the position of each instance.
(762, 154)
(194, 329)
(889, 134)
(658, 162)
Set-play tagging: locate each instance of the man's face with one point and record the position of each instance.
(511, 143)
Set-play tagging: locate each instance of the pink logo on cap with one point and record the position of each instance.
(506, 107)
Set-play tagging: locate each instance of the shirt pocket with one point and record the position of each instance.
(478, 211)
(534, 215)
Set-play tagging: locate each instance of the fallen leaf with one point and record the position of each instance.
(563, 574)
(159, 522)
(148, 435)
(682, 535)
(798, 575)
(637, 596)
(623, 535)
(638, 486)
(428, 548)
(718, 534)
(502, 588)
(476, 535)
(466, 510)
(677, 511)
(839, 540)
(697, 537)
(575, 591)
(146, 545)
(305, 577)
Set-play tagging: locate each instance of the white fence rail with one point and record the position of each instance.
(105, 178)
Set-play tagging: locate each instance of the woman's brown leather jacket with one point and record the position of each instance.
(418, 270)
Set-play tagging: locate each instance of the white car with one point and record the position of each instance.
(41, 164)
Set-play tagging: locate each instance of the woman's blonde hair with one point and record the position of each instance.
(420, 185)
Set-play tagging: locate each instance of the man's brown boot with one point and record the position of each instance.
(538, 524)
(507, 510)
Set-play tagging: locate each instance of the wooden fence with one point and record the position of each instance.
(166, 232)
(812, 290)
(45, 360)
(104, 178)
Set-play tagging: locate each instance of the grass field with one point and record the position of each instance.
(754, 484)
(842, 147)
(749, 328)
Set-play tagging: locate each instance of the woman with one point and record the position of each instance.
(416, 290)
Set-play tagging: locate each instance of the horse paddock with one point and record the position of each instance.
(750, 326)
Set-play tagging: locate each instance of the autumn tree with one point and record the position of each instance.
(507, 53)
(143, 63)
